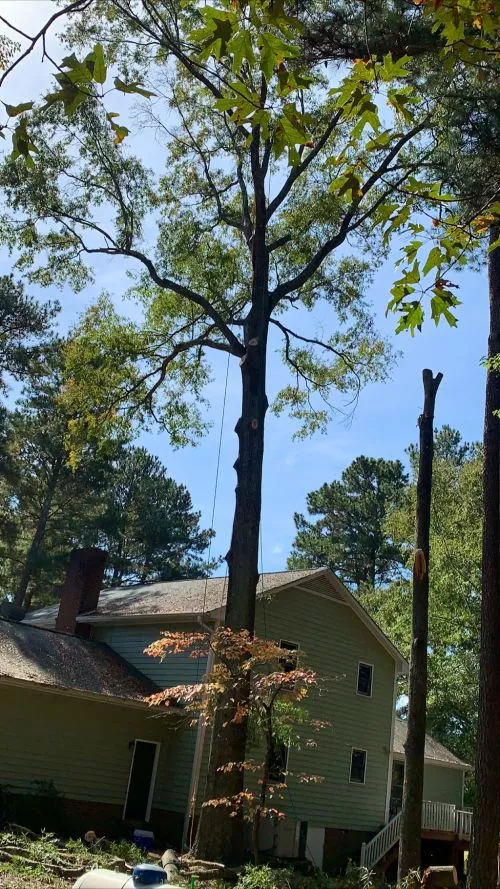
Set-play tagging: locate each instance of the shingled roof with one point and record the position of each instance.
(192, 598)
(434, 751)
(61, 661)
(173, 597)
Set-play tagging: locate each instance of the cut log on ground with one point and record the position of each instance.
(440, 877)
(170, 857)
(198, 862)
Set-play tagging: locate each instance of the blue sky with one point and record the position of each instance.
(383, 424)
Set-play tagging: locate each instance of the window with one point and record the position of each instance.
(358, 766)
(398, 777)
(289, 661)
(365, 679)
(279, 763)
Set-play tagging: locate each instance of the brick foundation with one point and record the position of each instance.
(72, 818)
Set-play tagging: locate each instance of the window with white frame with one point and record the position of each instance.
(365, 680)
(358, 766)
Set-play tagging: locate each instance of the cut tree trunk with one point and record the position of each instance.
(482, 871)
(411, 817)
(220, 831)
(440, 877)
(39, 535)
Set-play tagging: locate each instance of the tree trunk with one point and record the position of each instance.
(221, 831)
(39, 535)
(221, 835)
(482, 872)
(411, 817)
(146, 568)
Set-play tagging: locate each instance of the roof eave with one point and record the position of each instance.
(458, 766)
(95, 697)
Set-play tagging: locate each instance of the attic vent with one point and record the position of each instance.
(324, 586)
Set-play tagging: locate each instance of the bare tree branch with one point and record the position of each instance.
(236, 347)
(76, 6)
(297, 171)
(287, 332)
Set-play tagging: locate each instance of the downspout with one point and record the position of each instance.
(197, 758)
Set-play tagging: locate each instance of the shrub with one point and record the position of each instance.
(264, 877)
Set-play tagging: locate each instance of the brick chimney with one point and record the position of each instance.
(81, 588)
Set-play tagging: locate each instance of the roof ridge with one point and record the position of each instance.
(130, 586)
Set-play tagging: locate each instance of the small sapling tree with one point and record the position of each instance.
(253, 680)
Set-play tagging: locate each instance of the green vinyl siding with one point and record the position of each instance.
(130, 642)
(333, 641)
(442, 784)
(83, 747)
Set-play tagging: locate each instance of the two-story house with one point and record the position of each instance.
(72, 689)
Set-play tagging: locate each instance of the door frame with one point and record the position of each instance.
(154, 770)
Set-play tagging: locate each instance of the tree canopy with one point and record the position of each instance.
(350, 535)
(146, 523)
(24, 330)
(455, 589)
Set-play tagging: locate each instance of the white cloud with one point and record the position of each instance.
(277, 549)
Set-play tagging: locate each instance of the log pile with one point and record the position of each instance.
(46, 853)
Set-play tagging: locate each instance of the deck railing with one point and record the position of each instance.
(438, 816)
(435, 816)
(463, 827)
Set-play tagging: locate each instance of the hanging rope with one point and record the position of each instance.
(262, 579)
(216, 485)
(216, 477)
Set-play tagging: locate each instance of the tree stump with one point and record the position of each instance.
(440, 877)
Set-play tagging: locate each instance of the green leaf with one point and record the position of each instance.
(100, 69)
(214, 38)
(274, 52)
(433, 260)
(71, 62)
(413, 275)
(241, 48)
(120, 133)
(134, 87)
(15, 110)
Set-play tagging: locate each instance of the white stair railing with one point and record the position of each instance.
(435, 816)
(381, 843)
